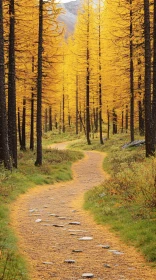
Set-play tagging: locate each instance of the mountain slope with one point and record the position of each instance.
(69, 16)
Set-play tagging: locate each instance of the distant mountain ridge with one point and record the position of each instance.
(70, 15)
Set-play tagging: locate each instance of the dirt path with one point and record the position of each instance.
(48, 243)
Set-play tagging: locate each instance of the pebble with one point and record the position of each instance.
(104, 246)
(32, 210)
(115, 252)
(69, 261)
(54, 215)
(107, 265)
(58, 225)
(74, 223)
(47, 263)
(85, 238)
(38, 220)
(62, 218)
(77, 251)
(88, 275)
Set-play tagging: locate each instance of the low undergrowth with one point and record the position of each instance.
(55, 137)
(126, 201)
(56, 167)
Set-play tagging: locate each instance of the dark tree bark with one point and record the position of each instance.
(60, 120)
(4, 128)
(87, 101)
(97, 119)
(46, 121)
(114, 122)
(131, 76)
(100, 80)
(150, 150)
(39, 87)
(69, 120)
(19, 129)
(141, 118)
(32, 113)
(77, 108)
(32, 122)
(82, 123)
(141, 103)
(69, 116)
(122, 122)
(154, 76)
(108, 124)
(23, 145)
(126, 119)
(1, 142)
(88, 83)
(50, 119)
(56, 124)
(80, 117)
(63, 113)
(12, 124)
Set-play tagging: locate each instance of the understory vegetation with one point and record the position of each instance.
(127, 200)
(56, 167)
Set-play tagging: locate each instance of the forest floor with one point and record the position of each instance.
(50, 223)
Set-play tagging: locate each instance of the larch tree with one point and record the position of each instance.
(154, 73)
(131, 74)
(39, 87)
(150, 149)
(4, 146)
(12, 130)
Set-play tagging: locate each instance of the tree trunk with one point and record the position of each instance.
(4, 128)
(32, 122)
(141, 119)
(39, 87)
(12, 125)
(80, 117)
(63, 114)
(100, 80)
(77, 109)
(56, 124)
(19, 129)
(154, 76)
(50, 119)
(131, 76)
(60, 120)
(46, 121)
(150, 150)
(32, 113)
(1, 142)
(126, 119)
(87, 101)
(81, 122)
(88, 83)
(23, 146)
(114, 122)
(122, 122)
(108, 124)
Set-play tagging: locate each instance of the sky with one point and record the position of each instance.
(65, 1)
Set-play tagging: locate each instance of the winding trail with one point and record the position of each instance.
(46, 244)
